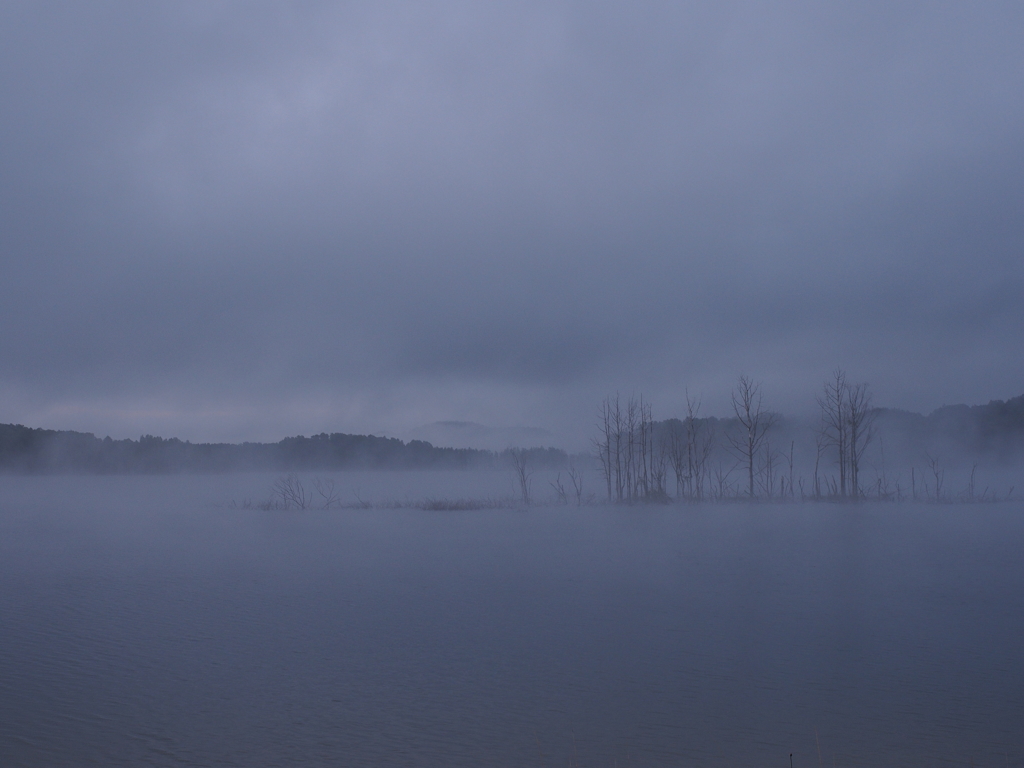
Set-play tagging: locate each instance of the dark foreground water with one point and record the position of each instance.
(142, 625)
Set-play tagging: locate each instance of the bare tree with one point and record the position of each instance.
(659, 470)
(577, 483)
(722, 486)
(937, 473)
(767, 474)
(792, 448)
(325, 488)
(675, 445)
(835, 421)
(755, 421)
(290, 492)
(883, 484)
(523, 473)
(618, 424)
(820, 444)
(699, 441)
(603, 443)
(563, 497)
(702, 442)
(630, 439)
(643, 456)
(861, 417)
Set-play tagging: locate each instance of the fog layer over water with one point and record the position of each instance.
(143, 623)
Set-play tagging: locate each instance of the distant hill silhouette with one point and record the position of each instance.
(23, 449)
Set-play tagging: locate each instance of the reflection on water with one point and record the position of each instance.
(142, 624)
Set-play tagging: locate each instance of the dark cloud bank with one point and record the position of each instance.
(240, 221)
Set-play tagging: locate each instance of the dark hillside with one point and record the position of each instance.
(23, 449)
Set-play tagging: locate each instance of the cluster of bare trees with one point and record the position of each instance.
(846, 429)
(634, 452)
(289, 492)
(689, 445)
(522, 469)
(625, 448)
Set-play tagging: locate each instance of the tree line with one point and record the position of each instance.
(24, 449)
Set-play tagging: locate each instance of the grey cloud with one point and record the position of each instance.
(382, 215)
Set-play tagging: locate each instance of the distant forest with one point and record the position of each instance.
(27, 450)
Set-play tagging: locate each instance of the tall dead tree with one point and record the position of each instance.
(835, 422)
(522, 471)
(651, 470)
(847, 426)
(754, 421)
(675, 446)
(860, 416)
(820, 445)
(643, 458)
(700, 440)
(792, 449)
(618, 422)
(603, 443)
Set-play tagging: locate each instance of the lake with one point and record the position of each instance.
(145, 621)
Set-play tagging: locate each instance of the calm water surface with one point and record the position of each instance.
(143, 624)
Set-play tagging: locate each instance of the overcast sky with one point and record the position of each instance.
(246, 220)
